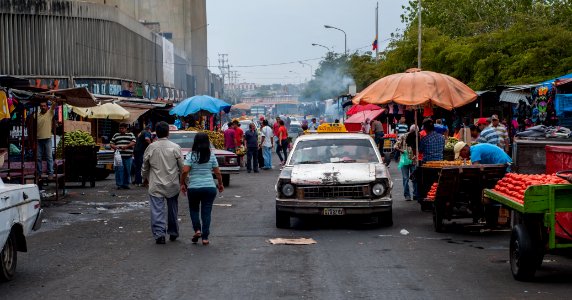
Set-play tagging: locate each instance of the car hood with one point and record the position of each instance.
(333, 174)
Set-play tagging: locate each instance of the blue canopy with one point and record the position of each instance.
(195, 104)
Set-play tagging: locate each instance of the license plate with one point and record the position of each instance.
(333, 212)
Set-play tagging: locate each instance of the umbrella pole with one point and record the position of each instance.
(416, 140)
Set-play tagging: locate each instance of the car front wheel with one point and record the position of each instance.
(8, 259)
(282, 220)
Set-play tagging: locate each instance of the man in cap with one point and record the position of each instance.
(485, 154)
(501, 131)
(488, 134)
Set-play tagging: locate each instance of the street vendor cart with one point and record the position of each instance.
(457, 192)
(541, 224)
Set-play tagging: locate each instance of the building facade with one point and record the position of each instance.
(101, 45)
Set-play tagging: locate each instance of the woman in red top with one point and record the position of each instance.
(283, 143)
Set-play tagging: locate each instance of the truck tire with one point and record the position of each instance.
(8, 259)
(282, 220)
(225, 180)
(524, 255)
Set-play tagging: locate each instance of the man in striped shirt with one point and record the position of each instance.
(401, 127)
(488, 134)
(124, 142)
(501, 131)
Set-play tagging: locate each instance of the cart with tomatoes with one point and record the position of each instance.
(457, 194)
(541, 217)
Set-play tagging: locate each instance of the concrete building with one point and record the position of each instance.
(103, 46)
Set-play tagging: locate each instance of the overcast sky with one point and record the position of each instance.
(266, 32)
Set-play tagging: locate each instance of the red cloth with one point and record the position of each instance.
(284, 132)
(427, 110)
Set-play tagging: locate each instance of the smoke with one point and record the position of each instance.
(332, 80)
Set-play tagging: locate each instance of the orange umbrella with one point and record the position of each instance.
(416, 87)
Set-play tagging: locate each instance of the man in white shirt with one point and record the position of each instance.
(267, 145)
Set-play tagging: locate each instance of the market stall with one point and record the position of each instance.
(456, 191)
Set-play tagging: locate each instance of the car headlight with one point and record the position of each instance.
(378, 189)
(288, 190)
(232, 161)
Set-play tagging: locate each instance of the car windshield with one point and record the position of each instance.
(333, 151)
(183, 139)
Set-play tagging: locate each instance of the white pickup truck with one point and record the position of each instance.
(20, 213)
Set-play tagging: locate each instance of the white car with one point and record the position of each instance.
(333, 174)
(20, 213)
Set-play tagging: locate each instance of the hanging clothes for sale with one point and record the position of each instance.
(4, 108)
(427, 110)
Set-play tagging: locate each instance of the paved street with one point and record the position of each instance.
(98, 245)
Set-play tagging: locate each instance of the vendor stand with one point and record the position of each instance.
(542, 223)
(456, 192)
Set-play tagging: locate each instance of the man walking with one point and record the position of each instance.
(143, 141)
(267, 144)
(162, 166)
(251, 144)
(45, 119)
(124, 142)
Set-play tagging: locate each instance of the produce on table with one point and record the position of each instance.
(446, 163)
(216, 138)
(514, 185)
(432, 192)
(450, 144)
(74, 139)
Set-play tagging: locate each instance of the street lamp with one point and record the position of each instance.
(319, 45)
(345, 37)
(311, 70)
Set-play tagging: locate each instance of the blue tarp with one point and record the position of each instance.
(549, 83)
(563, 103)
(195, 104)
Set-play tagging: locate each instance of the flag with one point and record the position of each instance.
(374, 44)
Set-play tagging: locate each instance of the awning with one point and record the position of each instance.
(79, 97)
(134, 114)
(243, 106)
(513, 94)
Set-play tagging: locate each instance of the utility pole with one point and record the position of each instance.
(377, 31)
(419, 37)
(223, 68)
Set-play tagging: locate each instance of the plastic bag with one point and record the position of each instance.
(404, 160)
(117, 160)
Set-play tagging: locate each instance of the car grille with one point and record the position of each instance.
(331, 192)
